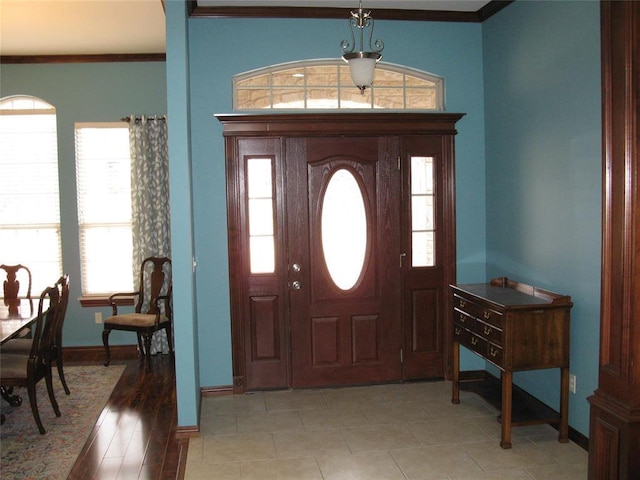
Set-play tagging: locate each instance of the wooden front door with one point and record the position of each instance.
(343, 241)
(341, 247)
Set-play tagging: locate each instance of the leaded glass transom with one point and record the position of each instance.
(327, 85)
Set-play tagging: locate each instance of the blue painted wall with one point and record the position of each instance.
(527, 79)
(94, 92)
(543, 166)
(180, 173)
(221, 48)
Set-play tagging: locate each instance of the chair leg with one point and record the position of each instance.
(61, 375)
(34, 407)
(169, 338)
(58, 357)
(147, 352)
(52, 398)
(140, 346)
(105, 342)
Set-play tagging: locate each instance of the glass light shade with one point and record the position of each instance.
(362, 66)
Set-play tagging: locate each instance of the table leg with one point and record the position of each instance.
(507, 385)
(563, 436)
(455, 385)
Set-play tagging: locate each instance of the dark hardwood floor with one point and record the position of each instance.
(135, 436)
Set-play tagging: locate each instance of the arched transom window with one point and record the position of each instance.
(326, 84)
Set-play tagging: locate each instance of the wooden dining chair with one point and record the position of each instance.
(23, 345)
(152, 309)
(11, 286)
(18, 370)
(16, 286)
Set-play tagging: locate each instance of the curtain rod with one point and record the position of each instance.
(139, 117)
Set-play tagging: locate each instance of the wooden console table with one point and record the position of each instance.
(516, 327)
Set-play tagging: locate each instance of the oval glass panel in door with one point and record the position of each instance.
(344, 229)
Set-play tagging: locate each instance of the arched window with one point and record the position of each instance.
(29, 191)
(326, 84)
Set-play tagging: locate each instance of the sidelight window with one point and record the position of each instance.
(260, 206)
(422, 212)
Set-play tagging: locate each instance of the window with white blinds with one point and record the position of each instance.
(103, 175)
(29, 191)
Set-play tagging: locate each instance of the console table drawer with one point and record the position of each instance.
(465, 319)
(488, 331)
(475, 310)
(494, 354)
(491, 317)
(461, 334)
(478, 344)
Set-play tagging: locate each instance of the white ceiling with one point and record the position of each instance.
(92, 27)
(82, 27)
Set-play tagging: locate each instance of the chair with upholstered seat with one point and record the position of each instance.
(23, 345)
(152, 309)
(19, 370)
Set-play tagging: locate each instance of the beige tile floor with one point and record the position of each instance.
(382, 432)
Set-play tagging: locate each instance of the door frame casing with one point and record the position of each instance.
(238, 126)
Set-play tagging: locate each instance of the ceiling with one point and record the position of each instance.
(97, 27)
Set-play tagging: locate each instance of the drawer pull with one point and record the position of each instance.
(458, 330)
(487, 315)
(493, 351)
(463, 318)
(474, 341)
(487, 330)
(462, 303)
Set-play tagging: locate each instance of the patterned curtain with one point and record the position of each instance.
(150, 197)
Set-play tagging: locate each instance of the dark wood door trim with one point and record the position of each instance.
(330, 124)
(284, 126)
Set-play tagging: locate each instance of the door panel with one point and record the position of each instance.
(343, 336)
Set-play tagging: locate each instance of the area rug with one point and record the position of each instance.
(28, 455)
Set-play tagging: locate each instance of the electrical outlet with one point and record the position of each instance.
(572, 383)
(98, 317)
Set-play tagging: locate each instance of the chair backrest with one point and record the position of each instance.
(17, 276)
(155, 282)
(49, 310)
(63, 289)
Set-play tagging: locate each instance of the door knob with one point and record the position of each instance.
(296, 285)
(295, 267)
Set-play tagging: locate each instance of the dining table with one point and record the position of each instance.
(15, 317)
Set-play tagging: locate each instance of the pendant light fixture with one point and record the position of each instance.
(362, 63)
